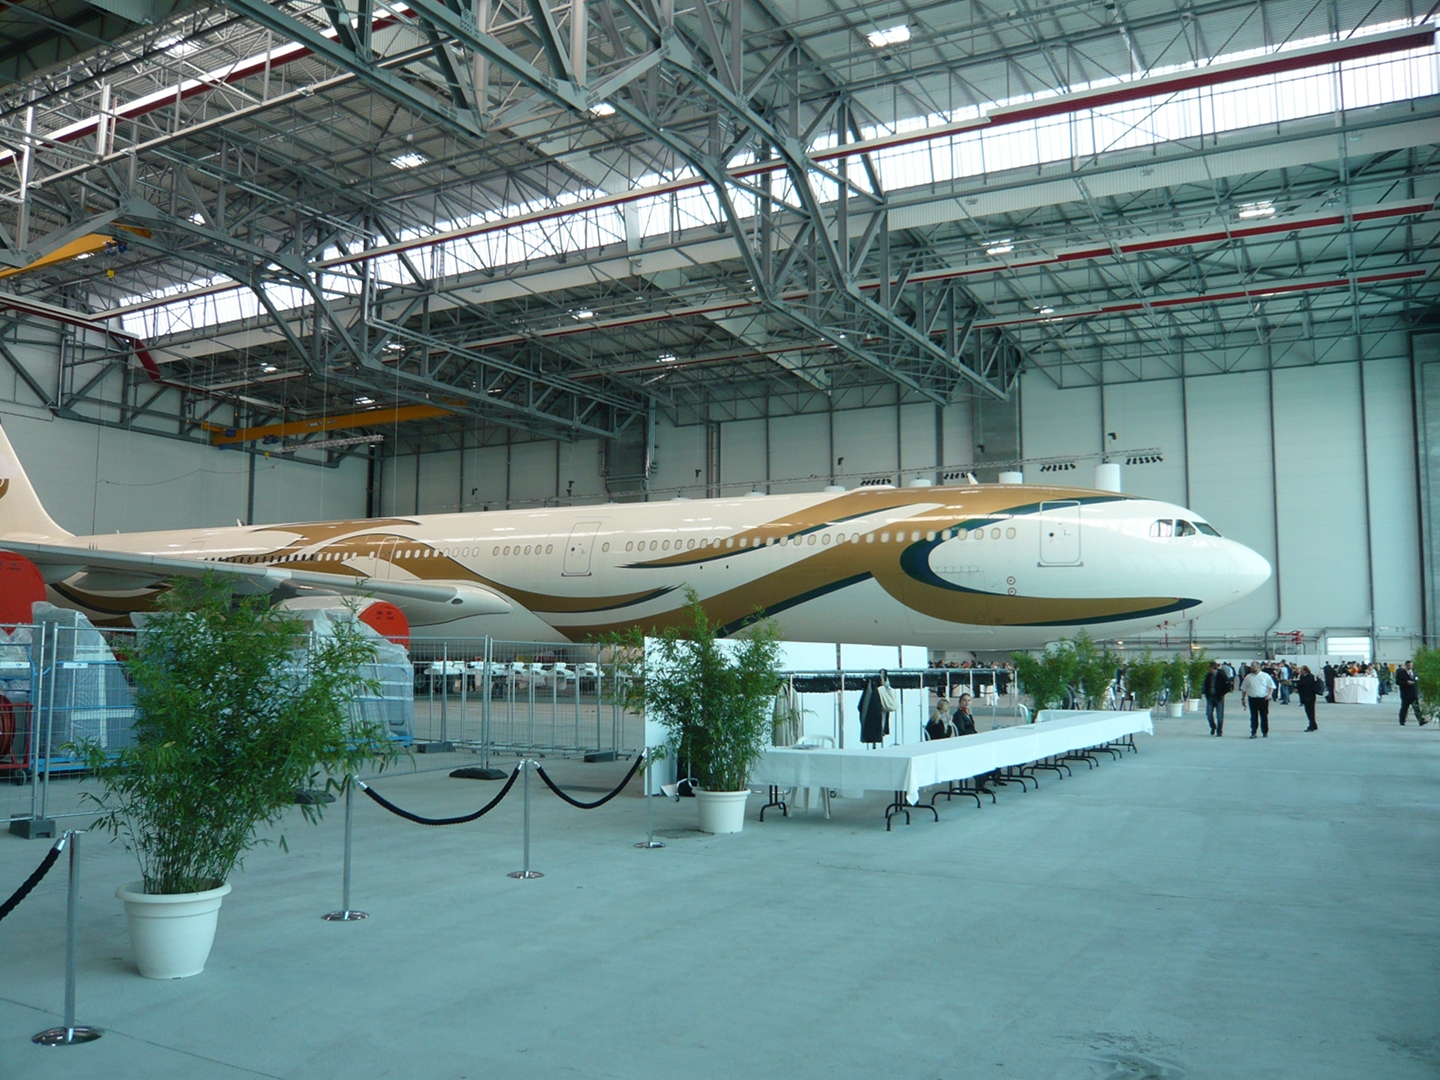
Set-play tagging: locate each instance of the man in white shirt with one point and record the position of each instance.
(1257, 688)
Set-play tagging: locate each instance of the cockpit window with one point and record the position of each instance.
(1184, 528)
(1162, 528)
(1208, 530)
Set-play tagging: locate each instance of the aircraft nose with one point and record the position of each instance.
(1251, 569)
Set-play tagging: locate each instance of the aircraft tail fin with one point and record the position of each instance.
(22, 517)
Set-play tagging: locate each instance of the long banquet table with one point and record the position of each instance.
(910, 767)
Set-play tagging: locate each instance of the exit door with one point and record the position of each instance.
(578, 552)
(1060, 533)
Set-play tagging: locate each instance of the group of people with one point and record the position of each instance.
(945, 724)
(1274, 681)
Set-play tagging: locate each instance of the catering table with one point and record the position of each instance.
(906, 769)
(1357, 689)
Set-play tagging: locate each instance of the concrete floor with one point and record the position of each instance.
(1207, 908)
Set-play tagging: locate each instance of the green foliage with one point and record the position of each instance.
(1067, 670)
(234, 716)
(1427, 679)
(1094, 668)
(714, 701)
(1048, 677)
(1177, 670)
(1199, 667)
(1145, 677)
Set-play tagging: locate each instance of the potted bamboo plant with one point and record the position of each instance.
(234, 716)
(1145, 678)
(714, 700)
(1177, 669)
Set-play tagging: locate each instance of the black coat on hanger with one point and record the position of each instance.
(874, 720)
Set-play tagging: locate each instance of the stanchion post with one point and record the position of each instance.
(70, 1034)
(649, 843)
(526, 873)
(346, 913)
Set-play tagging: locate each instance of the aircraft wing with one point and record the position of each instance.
(129, 570)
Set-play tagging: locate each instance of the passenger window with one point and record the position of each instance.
(869, 538)
(995, 534)
(961, 534)
(825, 539)
(730, 542)
(527, 549)
(654, 545)
(496, 551)
(550, 549)
(603, 547)
(1010, 534)
(810, 540)
(507, 549)
(629, 545)
(884, 538)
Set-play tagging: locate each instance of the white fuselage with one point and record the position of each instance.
(978, 567)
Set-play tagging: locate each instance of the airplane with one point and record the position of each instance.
(975, 567)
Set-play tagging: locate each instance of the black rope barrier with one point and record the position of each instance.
(418, 820)
(34, 879)
(539, 771)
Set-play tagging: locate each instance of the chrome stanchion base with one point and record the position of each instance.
(650, 844)
(67, 1036)
(345, 916)
(525, 874)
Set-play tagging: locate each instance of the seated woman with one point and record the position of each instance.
(940, 725)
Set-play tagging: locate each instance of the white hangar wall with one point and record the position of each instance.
(1314, 467)
(95, 479)
(802, 452)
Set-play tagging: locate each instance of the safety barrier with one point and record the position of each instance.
(518, 697)
(521, 771)
(69, 1033)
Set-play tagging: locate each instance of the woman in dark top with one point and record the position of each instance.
(963, 721)
(1309, 687)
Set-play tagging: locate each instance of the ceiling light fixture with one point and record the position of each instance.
(895, 35)
(1001, 247)
(269, 369)
(666, 358)
(1249, 210)
(411, 159)
(582, 314)
(602, 108)
(364, 399)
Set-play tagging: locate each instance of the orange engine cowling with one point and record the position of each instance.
(387, 620)
(21, 586)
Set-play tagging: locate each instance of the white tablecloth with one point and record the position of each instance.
(1357, 689)
(910, 767)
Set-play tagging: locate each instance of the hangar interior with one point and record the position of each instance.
(283, 262)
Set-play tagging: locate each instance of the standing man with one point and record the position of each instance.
(1309, 687)
(1286, 673)
(1409, 688)
(1217, 685)
(1257, 688)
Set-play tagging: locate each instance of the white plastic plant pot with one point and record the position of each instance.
(721, 811)
(1175, 709)
(171, 933)
(1193, 704)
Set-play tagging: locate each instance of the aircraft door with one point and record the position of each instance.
(384, 556)
(579, 549)
(1060, 533)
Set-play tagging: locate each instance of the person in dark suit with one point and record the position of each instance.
(1329, 671)
(1309, 688)
(1409, 687)
(1217, 685)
